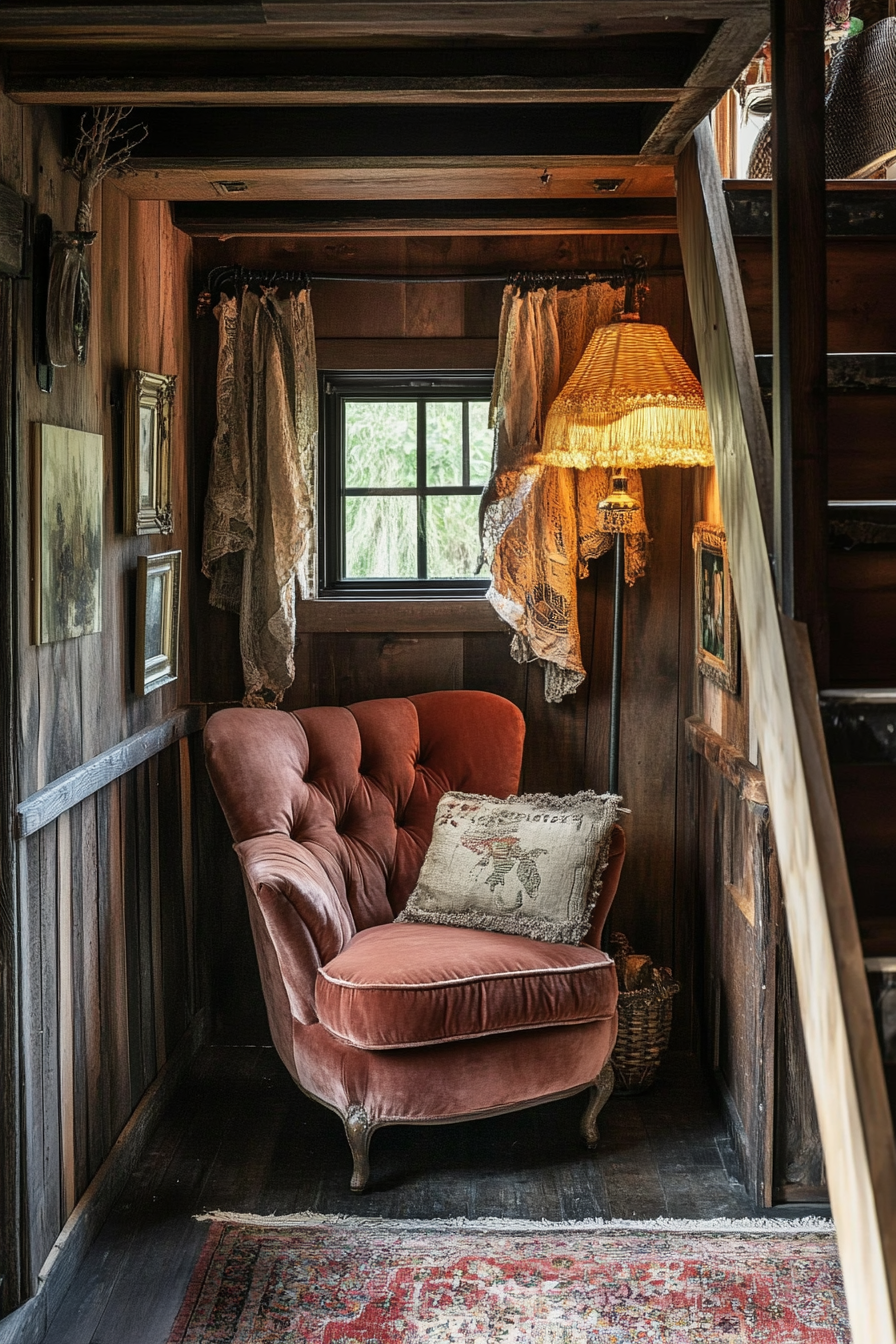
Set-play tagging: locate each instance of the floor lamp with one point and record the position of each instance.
(632, 402)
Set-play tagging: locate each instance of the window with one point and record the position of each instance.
(404, 459)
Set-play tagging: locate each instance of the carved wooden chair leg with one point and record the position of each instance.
(598, 1097)
(357, 1131)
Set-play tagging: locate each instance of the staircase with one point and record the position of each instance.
(727, 261)
(859, 704)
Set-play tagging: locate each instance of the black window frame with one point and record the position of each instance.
(339, 386)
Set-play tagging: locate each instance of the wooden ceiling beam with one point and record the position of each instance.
(729, 53)
(359, 22)
(233, 220)
(316, 91)
(385, 179)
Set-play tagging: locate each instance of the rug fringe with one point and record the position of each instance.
(782, 1227)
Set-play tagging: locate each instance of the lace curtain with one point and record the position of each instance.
(259, 512)
(539, 524)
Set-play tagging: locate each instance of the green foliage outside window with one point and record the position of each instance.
(413, 446)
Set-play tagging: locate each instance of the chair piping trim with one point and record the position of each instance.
(468, 979)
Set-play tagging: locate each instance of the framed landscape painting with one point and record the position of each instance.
(718, 652)
(67, 533)
(158, 620)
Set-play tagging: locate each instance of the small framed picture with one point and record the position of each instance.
(718, 652)
(147, 451)
(158, 619)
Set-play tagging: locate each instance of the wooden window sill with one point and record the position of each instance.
(471, 614)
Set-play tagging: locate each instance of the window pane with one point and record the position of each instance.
(444, 443)
(481, 441)
(380, 444)
(381, 537)
(452, 536)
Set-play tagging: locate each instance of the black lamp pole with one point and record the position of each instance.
(618, 514)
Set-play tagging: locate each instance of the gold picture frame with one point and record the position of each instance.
(158, 621)
(147, 451)
(715, 623)
(67, 533)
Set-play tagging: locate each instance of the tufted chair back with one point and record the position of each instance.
(356, 789)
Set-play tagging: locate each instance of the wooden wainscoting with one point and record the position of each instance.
(751, 1011)
(738, 900)
(109, 976)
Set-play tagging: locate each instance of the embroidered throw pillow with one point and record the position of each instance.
(532, 864)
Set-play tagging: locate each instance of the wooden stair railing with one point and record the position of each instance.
(835, 1007)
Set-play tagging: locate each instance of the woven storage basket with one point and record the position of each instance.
(645, 1018)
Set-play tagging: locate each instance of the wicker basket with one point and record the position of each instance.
(645, 1018)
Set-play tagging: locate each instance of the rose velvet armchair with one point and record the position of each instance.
(386, 1023)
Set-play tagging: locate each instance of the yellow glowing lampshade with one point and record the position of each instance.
(633, 401)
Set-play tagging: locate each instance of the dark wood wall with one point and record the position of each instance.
(104, 891)
(433, 326)
(862, 578)
(749, 993)
(861, 428)
(109, 975)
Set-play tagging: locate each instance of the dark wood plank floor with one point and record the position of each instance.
(239, 1136)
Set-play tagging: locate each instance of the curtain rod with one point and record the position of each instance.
(240, 275)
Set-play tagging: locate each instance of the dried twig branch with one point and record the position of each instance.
(103, 147)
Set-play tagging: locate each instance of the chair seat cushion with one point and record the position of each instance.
(401, 985)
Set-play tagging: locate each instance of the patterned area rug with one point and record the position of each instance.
(366, 1281)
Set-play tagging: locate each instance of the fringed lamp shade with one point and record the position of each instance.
(632, 401)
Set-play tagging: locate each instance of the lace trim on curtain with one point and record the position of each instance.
(539, 525)
(259, 538)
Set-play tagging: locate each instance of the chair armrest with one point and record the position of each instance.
(297, 913)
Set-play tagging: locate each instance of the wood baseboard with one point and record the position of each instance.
(28, 1323)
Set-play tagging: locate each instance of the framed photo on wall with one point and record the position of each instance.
(158, 620)
(147, 451)
(718, 644)
(67, 533)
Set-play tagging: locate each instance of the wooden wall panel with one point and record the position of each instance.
(173, 946)
(740, 967)
(105, 892)
(77, 696)
(369, 667)
(80, 997)
(113, 957)
(799, 1167)
(651, 727)
(108, 950)
(861, 279)
(750, 1008)
(866, 805)
(65, 989)
(861, 430)
(50, 1170)
(96, 1048)
(862, 599)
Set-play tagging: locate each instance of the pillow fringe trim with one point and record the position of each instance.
(570, 932)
